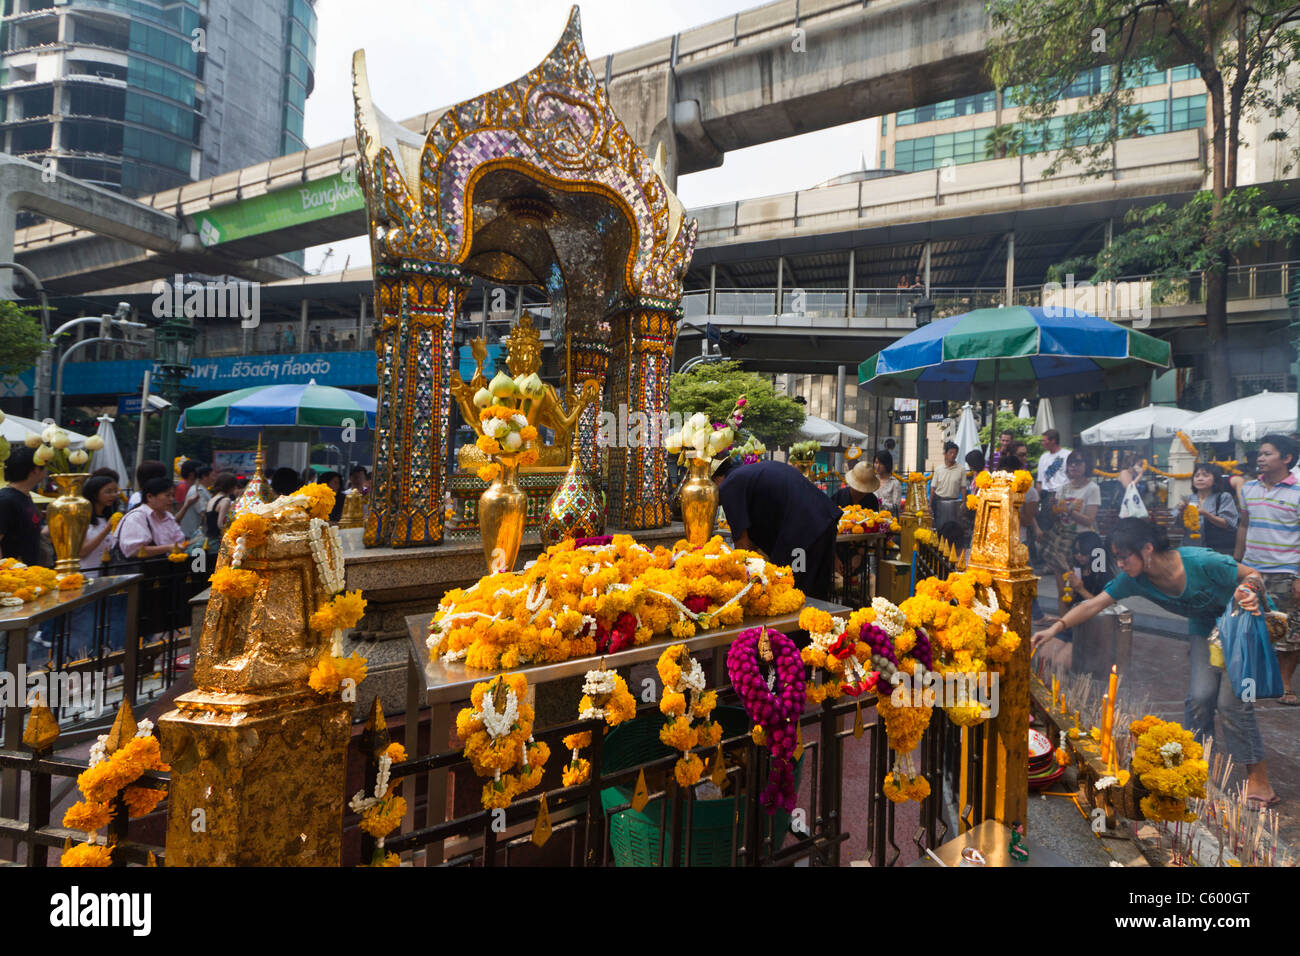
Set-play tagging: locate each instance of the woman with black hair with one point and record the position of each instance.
(1195, 583)
(101, 491)
(1216, 505)
(890, 492)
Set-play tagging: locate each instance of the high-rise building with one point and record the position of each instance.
(145, 95)
(986, 125)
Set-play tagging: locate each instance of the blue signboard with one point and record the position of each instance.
(129, 405)
(225, 374)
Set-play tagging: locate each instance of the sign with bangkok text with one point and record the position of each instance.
(225, 374)
(282, 209)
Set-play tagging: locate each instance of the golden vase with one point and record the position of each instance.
(501, 513)
(68, 516)
(699, 498)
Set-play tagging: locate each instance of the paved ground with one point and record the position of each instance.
(1159, 668)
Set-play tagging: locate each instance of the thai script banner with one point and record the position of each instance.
(341, 369)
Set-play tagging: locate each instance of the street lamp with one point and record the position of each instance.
(173, 347)
(923, 309)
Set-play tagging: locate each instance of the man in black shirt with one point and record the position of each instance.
(773, 509)
(20, 521)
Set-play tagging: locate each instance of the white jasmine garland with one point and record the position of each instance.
(1171, 753)
(498, 724)
(1105, 782)
(888, 617)
(600, 682)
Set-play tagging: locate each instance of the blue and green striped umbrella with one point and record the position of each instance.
(249, 410)
(1019, 351)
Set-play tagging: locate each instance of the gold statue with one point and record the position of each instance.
(524, 358)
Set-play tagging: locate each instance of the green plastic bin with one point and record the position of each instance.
(636, 839)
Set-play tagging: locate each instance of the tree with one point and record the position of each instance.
(1241, 50)
(713, 388)
(21, 338)
(1003, 141)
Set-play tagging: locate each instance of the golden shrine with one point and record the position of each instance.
(537, 183)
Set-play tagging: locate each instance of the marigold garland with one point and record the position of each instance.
(234, 583)
(1168, 761)
(251, 527)
(86, 854)
(497, 730)
(320, 500)
(20, 583)
(330, 672)
(343, 611)
(577, 601)
(682, 675)
(101, 782)
(71, 582)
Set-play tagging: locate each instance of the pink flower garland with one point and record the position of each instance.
(773, 701)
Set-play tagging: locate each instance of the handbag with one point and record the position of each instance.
(1220, 539)
(1248, 655)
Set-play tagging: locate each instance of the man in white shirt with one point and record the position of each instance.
(1051, 464)
(946, 488)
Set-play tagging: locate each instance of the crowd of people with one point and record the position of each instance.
(159, 517)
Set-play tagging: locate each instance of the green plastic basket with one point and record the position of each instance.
(636, 838)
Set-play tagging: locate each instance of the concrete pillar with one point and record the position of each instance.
(1011, 266)
(780, 285)
(302, 324)
(8, 224)
(848, 305)
(926, 277)
(361, 322)
(839, 411)
(713, 289)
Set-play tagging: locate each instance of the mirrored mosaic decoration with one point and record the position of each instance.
(536, 183)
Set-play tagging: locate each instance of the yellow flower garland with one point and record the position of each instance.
(1168, 761)
(553, 610)
(102, 782)
(235, 583)
(496, 756)
(680, 733)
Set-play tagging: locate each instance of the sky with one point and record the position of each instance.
(425, 54)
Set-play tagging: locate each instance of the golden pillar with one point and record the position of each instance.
(638, 382)
(259, 759)
(996, 548)
(415, 314)
(589, 358)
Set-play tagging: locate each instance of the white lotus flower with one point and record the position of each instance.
(94, 443)
(519, 420)
(78, 457)
(700, 441)
(47, 435)
(32, 440)
(482, 398)
(61, 439)
(512, 441)
(42, 455)
(532, 386)
(698, 420)
(674, 443)
(502, 386)
(718, 441)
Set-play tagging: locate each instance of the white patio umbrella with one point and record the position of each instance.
(1139, 425)
(1246, 419)
(1044, 419)
(1023, 411)
(110, 456)
(968, 433)
(829, 432)
(16, 429)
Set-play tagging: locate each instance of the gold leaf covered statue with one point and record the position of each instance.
(523, 359)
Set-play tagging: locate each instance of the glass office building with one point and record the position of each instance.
(146, 95)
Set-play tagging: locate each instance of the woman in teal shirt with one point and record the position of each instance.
(1195, 583)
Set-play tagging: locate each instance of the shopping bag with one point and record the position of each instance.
(1248, 655)
(1131, 505)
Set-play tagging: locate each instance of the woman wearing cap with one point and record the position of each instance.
(859, 486)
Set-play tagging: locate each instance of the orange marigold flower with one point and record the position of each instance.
(88, 816)
(87, 854)
(322, 499)
(235, 583)
(251, 527)
(395, 752)
(70, 582)
(140, 801)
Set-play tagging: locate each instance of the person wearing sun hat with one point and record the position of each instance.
(860, 484)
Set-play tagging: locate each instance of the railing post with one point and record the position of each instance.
(996, 548)
(39, 736)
